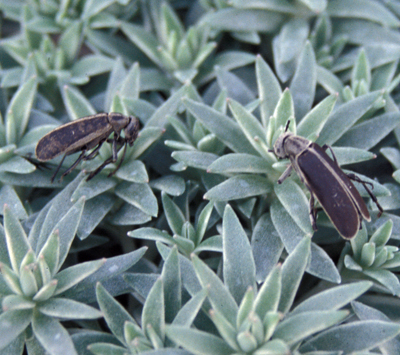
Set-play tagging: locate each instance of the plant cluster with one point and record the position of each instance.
(192, 247)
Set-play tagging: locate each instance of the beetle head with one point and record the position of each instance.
(279, 146)
(132, 130)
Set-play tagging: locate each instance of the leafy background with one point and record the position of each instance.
(192, 247)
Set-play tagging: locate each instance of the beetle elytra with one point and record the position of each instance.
(85, 134)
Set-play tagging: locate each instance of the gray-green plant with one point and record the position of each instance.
(230, 266)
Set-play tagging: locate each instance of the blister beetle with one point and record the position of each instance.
(87, 133)
(326, 182)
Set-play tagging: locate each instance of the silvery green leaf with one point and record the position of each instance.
(239, 186)
(352, 337)
(316, 6)
(171, 184)
(330, 82)
(269, 89)
(134, 171)
(9, 196)
(333, 298)
(222, 126)
(345, 116)
(231, 19)
(90, 65)
(129, 215)
(292, 272)
(68, 309)
(173, 214)
(138, 195)
(391, 202)
(393, 155)
(76, 103)
(171, 276)
(94, 212)
(367, 10)
(236, 256)
(234, 86)
(349, 155)
(296, 203)
(369, 133)
(266, 245)
(52, 335)
(218, 294)
(195, 159)
(303, 83)
(114, 314)
(300, 326)
(198, 341)
(189, 311)
(386, 278)
(93, 188)
(16, 239)
(153, 314)
(12, 324)
(313, 122)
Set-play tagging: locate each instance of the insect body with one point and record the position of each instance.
(326, 182)
(85, 134)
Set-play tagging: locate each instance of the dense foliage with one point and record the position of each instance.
(192, 247)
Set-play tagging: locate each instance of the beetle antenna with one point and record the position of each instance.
(287, 126)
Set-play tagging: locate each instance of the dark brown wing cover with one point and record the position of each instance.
(73, 136)
(336, 193)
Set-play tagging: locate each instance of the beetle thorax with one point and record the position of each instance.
(290, 145)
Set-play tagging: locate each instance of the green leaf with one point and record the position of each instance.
(138, 195)
(269, 89)
(173, 213)
(239, 163)
(189, 311)
(300, 326)
(52, 335)
(330, 82)
(9, 196)
(195, 159)
(218, 294)
(134, 171)
(333, 298)
(223, 127)
(144, 40)
(153, 315)
(20, 107)
(91, 65)
(239, 20)
(356, 336)
(114, 314)
(292, 272)
(239, 186)
(171, 276)
(198, 342)
(369, 133)
(345, 116)
(296, 204)
(171, 184)
(74, 274)
(304, 82)
(17, 241)
(238, 263)
(76, 103)
(68, 309)
(70, 40)
(313, 122)
(13, 323)
(367, 10)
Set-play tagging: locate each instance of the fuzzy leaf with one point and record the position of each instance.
(239, 268)
(171, 276)
(76, 103)
(68, 309)
(239, 186)
(154, 310)
(52, 335)
(239, 163)
(13, 323)
(356, 336)
(303, 83)
(195, 159)
(345, 116)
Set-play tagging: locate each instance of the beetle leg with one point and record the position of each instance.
(285, 174)
(325, 147)
(110, 160)
(72, 167)
(94, 153)
(58, 169)
(120, 162)
(365, 183)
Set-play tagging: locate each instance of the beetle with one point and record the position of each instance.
(85, 134)
(326, 182)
